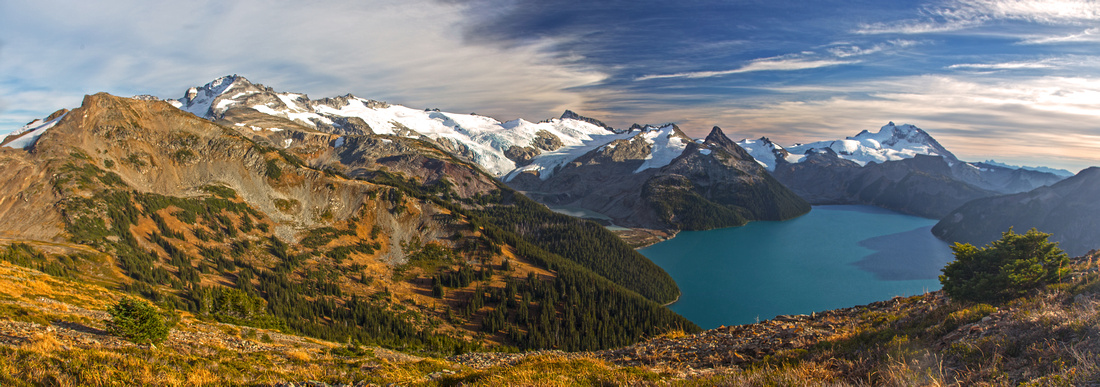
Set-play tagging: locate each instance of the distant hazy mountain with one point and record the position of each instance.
(1060, 172)
(1068, 209)
(901, 167)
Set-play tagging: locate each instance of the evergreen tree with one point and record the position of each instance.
(138, 322)
(1004, 269)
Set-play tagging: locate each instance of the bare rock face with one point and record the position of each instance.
(546, 141)
(543, 142)
(569, 114)
(522, 155)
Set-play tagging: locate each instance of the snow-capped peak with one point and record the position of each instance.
(891, 142)
(199, 100)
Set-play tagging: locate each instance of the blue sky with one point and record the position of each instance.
(1017, 81)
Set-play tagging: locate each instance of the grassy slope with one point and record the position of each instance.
(51, 332)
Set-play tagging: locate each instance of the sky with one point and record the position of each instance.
(1010, 80)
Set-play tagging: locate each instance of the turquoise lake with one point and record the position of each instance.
(832, 257)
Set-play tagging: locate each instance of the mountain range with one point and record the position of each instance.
(650, 177)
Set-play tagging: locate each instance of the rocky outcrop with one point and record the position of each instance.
(569, 114)
(522, 155)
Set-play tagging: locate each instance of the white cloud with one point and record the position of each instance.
(845, 50)
(963, 14)
(914, 27)
(839, 53)
(766, 64)
(1003, 65)
(1089, 35)
(404, 51)
(1041, 11)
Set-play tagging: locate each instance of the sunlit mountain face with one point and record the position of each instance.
(999, 79)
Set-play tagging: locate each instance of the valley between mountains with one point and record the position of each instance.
(347, 240)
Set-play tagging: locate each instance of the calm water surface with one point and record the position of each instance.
(832, 257)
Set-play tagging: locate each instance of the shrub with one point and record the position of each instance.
(138, 321)
(1004, 269)
(273, 171)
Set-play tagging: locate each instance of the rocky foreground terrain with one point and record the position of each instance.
(53, 332)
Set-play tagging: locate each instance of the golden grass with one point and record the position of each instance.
(42, 343)
(672, 334)
(554, 370)
(298, 356)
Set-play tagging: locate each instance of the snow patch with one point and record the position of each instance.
(763, 150)
(29, 134)
(666, 147)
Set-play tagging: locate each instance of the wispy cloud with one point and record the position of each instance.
(1004, 65)
(768, 64)
(913, 27)
(1065, 64)
(1089, 35)
(963, 14)
(1041, 11)
(846, 50)
(836, 54)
